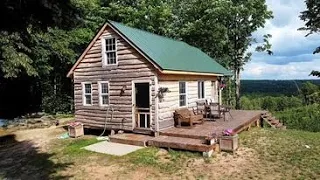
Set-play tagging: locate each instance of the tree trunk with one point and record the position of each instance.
(237, 87)
(229, 92)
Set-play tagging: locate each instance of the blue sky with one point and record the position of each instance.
(293, 58)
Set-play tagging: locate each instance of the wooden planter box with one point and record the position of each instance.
(75, 131)
(229, 143)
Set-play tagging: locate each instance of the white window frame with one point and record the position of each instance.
(186, 93)
(201, 89)
(104, 51)
(103, 94)
(84, 100)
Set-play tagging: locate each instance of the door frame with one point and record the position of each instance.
(133, 96)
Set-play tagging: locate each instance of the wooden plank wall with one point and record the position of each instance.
(170, 102)
(131, 66)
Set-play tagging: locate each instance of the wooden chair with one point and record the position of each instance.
(183, 115)
(215, 110)
(201, 108)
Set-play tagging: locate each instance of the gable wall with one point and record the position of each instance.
(131, 66)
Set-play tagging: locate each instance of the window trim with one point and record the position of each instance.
(203, 89)
(186, 93)
(84, 102)
(104, 51)
(101, 94)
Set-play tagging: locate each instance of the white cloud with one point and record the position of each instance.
(292, 57)
(293, 70)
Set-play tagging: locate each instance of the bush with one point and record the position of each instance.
(270, 103)
(303, 118)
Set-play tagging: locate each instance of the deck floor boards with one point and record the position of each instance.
(241, 119)
(195, 138)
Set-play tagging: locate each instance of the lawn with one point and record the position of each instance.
(263, 154)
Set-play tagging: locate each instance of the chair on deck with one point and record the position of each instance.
(202, 108)
(185, 116)
(215, 110)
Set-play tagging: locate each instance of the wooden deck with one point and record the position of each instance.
(194, 139)
(240, 121)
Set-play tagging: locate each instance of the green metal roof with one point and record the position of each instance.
(171, 54)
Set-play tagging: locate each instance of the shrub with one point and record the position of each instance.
(303, 118)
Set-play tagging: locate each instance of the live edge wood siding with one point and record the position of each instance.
(170, 102)
(131, 66)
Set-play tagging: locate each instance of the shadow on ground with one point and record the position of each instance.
(23, 160)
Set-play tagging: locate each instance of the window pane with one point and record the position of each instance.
(88, 99)
(142, 120)
(182, 87)
(202, 89)
(148, 120)
(105, 99)
(111, 44)
(182, 100)
(87, 88)
(111, 57)
(104, 88)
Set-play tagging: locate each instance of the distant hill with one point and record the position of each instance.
(273, 87)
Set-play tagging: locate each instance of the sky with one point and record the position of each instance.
(292, 58)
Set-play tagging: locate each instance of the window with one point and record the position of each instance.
(103, 93)
(109, 50)
(87, 93)
(182, 94)
(201, 90)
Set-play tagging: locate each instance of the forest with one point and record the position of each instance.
(295, 102)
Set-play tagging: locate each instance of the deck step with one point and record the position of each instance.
(132, 139)
(181, 135)
(189, 144)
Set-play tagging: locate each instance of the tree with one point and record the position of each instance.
(310, 92)
(312, 23)
(224, 29)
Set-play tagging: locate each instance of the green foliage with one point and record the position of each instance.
(302, 118)
(310, 93)
(270, 103)
(74, 149)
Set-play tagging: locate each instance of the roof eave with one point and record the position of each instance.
(190, 73)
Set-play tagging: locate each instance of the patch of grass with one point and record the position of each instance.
(169, 163)
(146, 156)
(287, 150)
(61, 116)
(74, 148)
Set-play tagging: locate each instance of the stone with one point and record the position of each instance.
(112, 132)
(32, 121)
(10, 126)
(207, 154)
(162, 152)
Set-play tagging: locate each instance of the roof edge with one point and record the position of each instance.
(190, 73)
(87, 49)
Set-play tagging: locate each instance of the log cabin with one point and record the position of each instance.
(132, 80)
